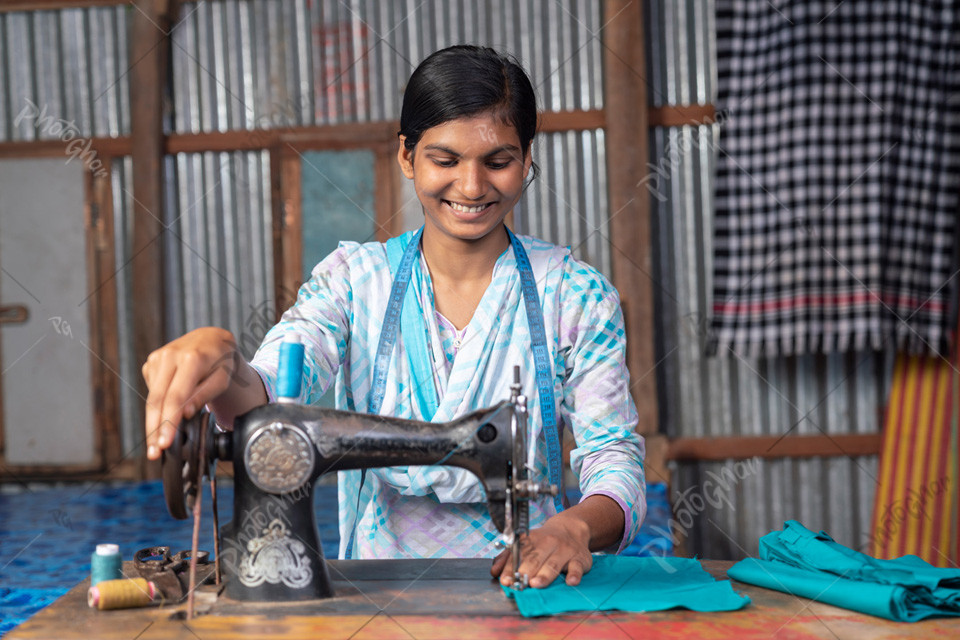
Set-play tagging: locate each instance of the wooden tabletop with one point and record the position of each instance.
(770, 615)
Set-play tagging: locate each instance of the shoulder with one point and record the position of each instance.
(361, 252)
(584, 283)
(546, 258)
(580, 284)
(352, 258)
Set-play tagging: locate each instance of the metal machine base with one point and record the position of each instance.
(396, 587)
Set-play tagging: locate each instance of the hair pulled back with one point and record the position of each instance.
(465, 81)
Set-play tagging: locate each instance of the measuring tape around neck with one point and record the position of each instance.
(541, 361)
(391, 321)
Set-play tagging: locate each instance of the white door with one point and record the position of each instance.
(47, 381)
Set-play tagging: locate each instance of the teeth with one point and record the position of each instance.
(464, 209)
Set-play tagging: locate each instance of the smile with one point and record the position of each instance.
(462, 208)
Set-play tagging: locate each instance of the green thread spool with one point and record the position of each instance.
(105, 564)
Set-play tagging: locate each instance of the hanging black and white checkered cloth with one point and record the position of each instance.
(838, 183)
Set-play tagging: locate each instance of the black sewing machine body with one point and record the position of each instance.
(270, 551)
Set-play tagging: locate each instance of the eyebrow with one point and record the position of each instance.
(501, 149)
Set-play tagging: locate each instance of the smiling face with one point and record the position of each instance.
(468, 174)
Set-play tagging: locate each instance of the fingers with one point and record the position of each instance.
(166, 408)
(544, 556)
(575, 571)
(534, 563)
(182, 387)
(549, 567)
(542, 567)
(209, 388)
(181, 377)
(499, 563)
(158, 372)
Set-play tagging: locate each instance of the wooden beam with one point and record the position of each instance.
(557, 121)
(625, 98)
(738, 448)
(346, 136)
(681, 114)
(19, 473)
(343, 136)
(148, 77)
(102, 148)
(51, 5)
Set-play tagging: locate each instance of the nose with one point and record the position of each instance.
(472, 181)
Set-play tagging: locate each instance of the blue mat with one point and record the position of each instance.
(48, 534)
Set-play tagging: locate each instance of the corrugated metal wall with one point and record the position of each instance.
(245, 64)
(259, 64)
(69, 65)
(255, 65)
(725, 507)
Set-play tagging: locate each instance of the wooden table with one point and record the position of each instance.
(456, 599)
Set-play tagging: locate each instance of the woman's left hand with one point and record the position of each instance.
(561, 545)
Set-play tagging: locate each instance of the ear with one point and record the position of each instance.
(527, 161)
(405, 159)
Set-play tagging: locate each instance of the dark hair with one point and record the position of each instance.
(463, 81)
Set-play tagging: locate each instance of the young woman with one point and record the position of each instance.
(478, 300)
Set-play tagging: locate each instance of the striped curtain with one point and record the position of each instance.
(916, 507)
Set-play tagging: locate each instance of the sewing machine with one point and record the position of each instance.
(271, 549)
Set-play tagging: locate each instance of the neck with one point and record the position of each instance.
(463, 260)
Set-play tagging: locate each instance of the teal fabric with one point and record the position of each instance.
(633, 584)
(799, 561)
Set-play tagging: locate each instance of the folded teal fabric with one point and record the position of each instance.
(813, 565)
(633, 584)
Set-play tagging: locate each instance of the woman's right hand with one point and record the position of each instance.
(182, 377)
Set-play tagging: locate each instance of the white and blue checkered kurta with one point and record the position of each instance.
(435, 511)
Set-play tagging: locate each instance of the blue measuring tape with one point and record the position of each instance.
(541, 362)
(538, 337)
(388, 334)
(388, 338)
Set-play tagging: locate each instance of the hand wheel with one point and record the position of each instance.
(181, 460)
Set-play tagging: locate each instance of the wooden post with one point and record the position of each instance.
(285, 167)
(386, 195)
(149, 48)
(104, 345)
(625, 103)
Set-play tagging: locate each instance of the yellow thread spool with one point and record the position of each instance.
(121, 594)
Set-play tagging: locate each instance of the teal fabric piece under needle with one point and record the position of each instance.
(799, 561)
(633, 584)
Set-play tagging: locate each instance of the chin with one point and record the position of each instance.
(472, 231)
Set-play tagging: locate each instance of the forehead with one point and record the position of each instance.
(474, 134)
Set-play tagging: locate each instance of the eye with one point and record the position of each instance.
(444, 162)
(498, 164)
